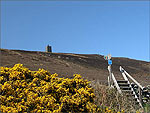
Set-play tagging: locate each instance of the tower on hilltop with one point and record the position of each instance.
(48, 48)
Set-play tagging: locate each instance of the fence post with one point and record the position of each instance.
(110, 75)
(108, 81)
(108, 58)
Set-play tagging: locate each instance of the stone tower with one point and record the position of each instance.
(48, 48)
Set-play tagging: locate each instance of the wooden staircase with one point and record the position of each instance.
(125, 86)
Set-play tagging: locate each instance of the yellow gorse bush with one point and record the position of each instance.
(23, 90)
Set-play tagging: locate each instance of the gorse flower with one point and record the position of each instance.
(23, 90)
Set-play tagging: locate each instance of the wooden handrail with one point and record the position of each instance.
(125, 77)
(109, 81)
(116, 84)
(138, 84)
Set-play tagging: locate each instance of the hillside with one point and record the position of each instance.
(90, 66)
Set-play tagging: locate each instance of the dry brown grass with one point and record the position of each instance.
(109, 97)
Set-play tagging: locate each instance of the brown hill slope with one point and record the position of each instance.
(90, 66)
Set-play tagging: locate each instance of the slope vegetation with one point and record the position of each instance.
(90, 66)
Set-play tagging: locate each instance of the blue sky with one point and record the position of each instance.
(99, 27)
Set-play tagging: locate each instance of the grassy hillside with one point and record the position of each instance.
(90, 66)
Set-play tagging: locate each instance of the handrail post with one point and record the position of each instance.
(108, 58)
(140, 94)
(123, 74)
(108, 81)
(110, 76)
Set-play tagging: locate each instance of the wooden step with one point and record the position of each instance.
(123, 85)
(122, 81)
(125, 88)
(127, 91)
